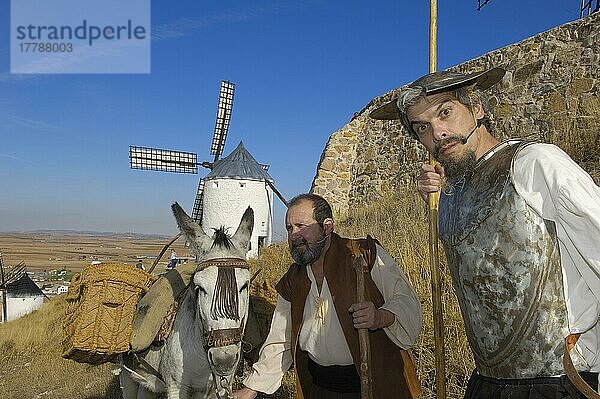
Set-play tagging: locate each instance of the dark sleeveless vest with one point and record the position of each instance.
(387, 363)
(505, 265)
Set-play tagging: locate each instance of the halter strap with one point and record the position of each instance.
(223, 337)
(224, 262)
(227, 336)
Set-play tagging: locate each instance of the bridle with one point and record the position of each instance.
(224, 336)
(212, 338)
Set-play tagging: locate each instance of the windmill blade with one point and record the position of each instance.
(162, 160)
(198, 207)
(224, 108)
(277, 193)
(481, 3)
(15, 273)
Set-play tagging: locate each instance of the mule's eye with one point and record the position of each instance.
(244, 287)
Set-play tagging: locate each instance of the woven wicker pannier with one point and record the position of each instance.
(101, 303)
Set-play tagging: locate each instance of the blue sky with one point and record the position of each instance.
(302, 68)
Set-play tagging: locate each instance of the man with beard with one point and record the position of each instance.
(316, 317)
(520, 224)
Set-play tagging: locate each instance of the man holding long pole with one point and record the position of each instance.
(520, 224)
(318, 321)
(434, 258)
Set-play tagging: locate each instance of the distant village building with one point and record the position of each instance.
(62, 289)
(23, 296)
(236, 182)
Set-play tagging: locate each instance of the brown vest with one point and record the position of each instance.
(386, 358)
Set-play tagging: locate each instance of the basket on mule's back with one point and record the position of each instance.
(101, 303)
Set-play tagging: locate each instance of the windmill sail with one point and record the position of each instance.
(162, 160)
(198, 207)
(13, 274)
(224, 108)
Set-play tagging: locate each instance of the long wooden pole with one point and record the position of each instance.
(434, 258)
(364, 372)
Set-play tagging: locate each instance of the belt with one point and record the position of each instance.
(585, 375)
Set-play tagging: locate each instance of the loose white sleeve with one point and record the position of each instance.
(275, 355)
(399, 298)
(560, 191)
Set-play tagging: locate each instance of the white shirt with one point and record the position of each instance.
(321, 334)
(559, 190)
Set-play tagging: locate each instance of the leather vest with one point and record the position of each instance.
(505, 265)
(386, 359)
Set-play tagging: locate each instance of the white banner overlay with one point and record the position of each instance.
(80, 36)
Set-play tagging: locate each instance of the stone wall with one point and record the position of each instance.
(549, 93)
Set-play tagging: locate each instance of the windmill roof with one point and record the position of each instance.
(23, 287)
(239, 165)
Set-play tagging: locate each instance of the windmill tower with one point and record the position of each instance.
(234, 183)
(19, 294)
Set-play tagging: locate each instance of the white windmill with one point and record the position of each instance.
(234, 182)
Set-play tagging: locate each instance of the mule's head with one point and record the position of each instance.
(220, 287)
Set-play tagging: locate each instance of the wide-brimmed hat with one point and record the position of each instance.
(438, 82)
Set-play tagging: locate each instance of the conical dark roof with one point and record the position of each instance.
(238, 165)
(23, 287)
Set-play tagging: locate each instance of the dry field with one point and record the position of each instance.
(55, 251)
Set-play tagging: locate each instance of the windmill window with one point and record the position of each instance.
(242, 184)
(216, 183)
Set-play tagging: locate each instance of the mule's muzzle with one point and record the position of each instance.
(224, 349)
(224, 360)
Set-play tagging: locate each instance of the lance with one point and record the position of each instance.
(434, 258)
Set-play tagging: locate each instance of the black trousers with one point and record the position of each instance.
(319, 392)
(480, 387)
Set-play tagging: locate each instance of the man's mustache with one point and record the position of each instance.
(444, 142)
(299, 242)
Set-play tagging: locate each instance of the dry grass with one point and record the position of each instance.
(400, 223)
(31, 366)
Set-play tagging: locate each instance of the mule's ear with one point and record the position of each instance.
(241, 238)
(191, 230)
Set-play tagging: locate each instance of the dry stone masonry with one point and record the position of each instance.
(549, 93)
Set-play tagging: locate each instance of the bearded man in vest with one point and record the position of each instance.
(316, 317)
(520, 224)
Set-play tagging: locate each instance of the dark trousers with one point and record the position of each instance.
(334, 382)
(480, 387)
(319, 392)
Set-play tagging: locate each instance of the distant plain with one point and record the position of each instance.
(73, 251)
